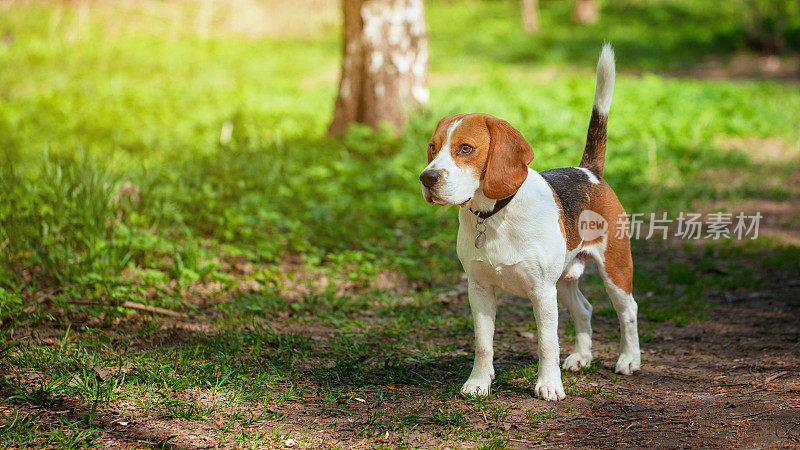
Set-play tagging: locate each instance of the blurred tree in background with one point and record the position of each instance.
(586, 11)
(530, 15)
(385, 63)
(767, 24)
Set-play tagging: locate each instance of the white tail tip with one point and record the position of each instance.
(605, 80)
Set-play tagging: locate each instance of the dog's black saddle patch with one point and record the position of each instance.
(572, 186)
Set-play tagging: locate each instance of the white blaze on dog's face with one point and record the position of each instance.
(469, 153)
(457, 155)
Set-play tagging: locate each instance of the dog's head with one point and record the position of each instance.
(470, 153)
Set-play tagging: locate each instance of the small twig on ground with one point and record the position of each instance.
(775, 377)
(788, 432)
(133, 305)
(748, 416)
(153, 309)
(605, 374)
(624, 420)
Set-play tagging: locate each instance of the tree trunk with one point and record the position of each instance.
(530, 15)
(765, 25)
(586, 11)
(385, 63)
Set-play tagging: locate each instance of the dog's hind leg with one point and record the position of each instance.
(581, 312)
(617, 272)
(630, 357)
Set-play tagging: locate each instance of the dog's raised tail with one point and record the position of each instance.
(594, 155)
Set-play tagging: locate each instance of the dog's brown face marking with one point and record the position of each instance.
(480, 149)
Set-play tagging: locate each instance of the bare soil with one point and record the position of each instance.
(746, 66)
(730, 381)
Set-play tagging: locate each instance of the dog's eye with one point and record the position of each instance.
(465, 149)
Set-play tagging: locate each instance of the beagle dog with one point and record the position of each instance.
(530, 234)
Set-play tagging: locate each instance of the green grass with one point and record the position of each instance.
(535, 417)
(20, 429)
(115, 187)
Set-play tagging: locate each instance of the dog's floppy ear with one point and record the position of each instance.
(507, 164)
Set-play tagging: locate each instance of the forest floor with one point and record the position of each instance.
(729, 379)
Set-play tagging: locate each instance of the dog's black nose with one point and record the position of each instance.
(429, 178)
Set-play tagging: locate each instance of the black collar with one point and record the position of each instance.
(498, 205)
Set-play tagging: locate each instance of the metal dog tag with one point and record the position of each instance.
(480, 227)
(480, 239)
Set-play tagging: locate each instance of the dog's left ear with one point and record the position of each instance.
(507, 164)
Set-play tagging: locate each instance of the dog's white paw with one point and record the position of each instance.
(476, 387)
(629, 363)
(575, 361)
(550, 389)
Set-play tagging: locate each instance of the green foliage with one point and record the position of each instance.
(60, 218)
(16, 428)
(11, 305)
(772, 26)
(534, 417)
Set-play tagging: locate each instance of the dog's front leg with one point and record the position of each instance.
(482, 301)
(545, 311)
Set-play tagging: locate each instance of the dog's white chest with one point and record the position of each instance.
(523, 242)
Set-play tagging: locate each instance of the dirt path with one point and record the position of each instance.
(733, 380)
